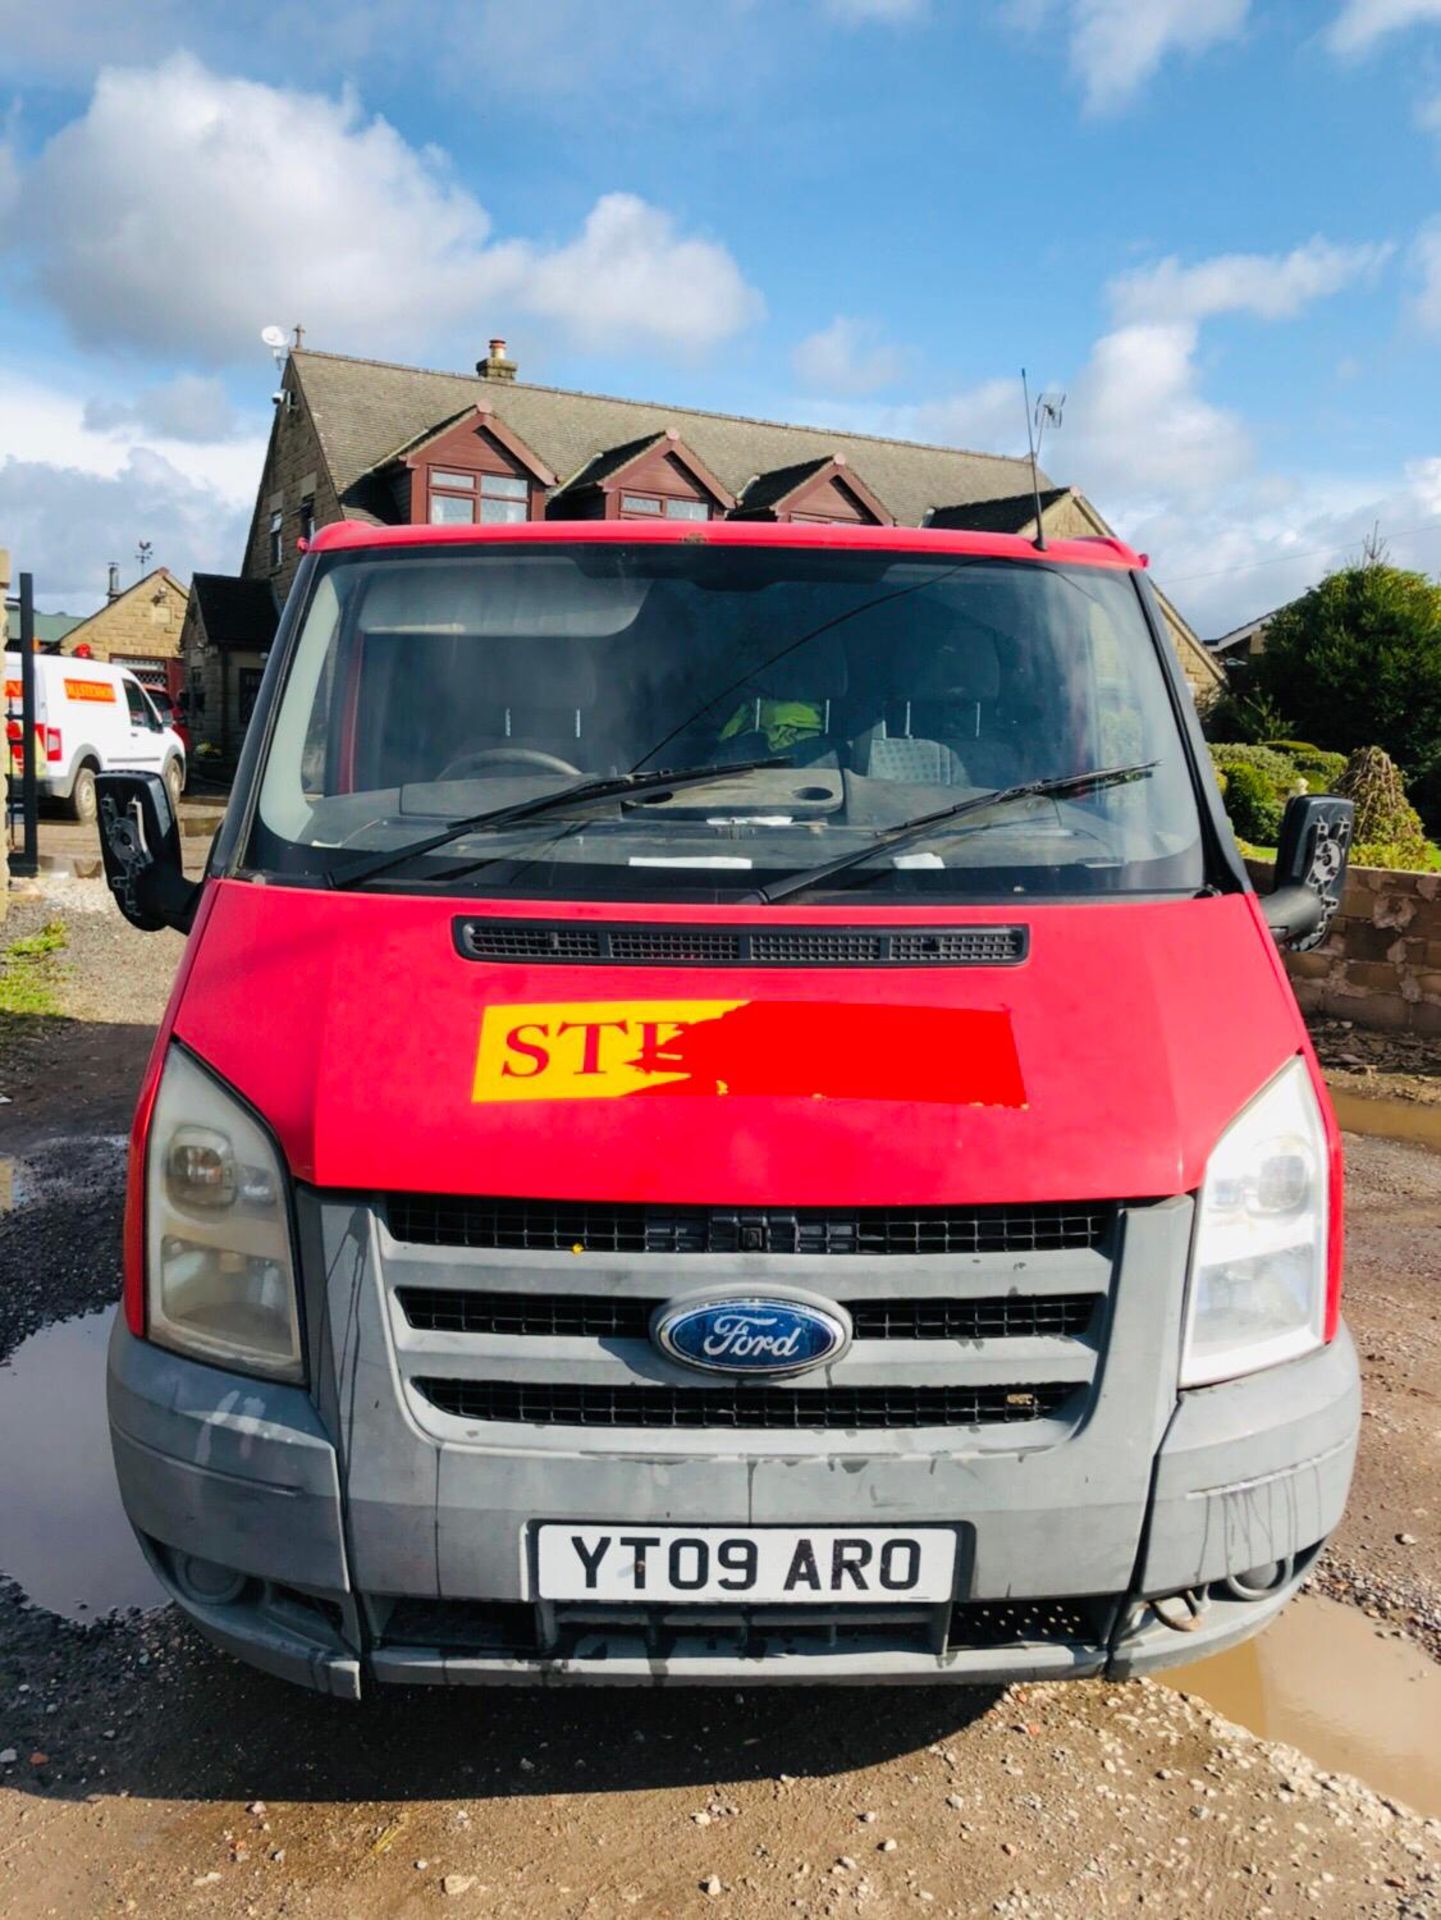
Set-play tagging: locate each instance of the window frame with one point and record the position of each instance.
(478, 488)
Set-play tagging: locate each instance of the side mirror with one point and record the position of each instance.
(140, 846)
(1310, 869)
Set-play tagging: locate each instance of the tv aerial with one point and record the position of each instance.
(1048, 410)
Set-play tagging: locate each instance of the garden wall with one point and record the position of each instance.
(1381, 963)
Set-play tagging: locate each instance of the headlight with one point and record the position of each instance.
(1257, 1291)
(220, 1281)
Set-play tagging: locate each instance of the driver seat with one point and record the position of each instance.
(543, 697)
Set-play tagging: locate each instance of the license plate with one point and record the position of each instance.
(764, 1565)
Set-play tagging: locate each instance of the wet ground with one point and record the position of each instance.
(141, 1772)
(66, 1542)
(1353, 1700)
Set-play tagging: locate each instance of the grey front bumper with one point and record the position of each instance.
(244, 1474)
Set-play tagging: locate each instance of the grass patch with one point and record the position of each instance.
(30, 971)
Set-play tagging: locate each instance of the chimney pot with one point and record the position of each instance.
(496, 366)
(112, 586)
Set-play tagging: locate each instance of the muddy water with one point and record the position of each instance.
(1321, 1679)
(64, 1538)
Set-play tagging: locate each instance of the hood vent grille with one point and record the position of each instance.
(632, 943)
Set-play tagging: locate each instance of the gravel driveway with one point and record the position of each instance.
(141, 1772)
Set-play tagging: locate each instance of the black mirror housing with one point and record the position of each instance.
(1311, 860)
(140, 846)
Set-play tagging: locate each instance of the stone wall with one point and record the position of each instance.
(1381, 963)
(294, 472)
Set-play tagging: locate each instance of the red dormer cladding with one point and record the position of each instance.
(655, 478)
(825, 492)
(473, 471)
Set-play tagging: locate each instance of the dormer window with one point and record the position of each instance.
(657, 477)
(823, 492)
(471, 471)
(462, 499)
(654, 506)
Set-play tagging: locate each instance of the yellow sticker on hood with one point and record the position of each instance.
(584, 1049)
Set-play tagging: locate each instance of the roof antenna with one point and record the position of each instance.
(1048, 410)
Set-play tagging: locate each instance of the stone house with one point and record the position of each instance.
(367, 440)
(229, 626)
(138, 627)
(1242, 645)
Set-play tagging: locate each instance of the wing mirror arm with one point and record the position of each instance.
(140, 848)
(1310, 876)
(1293, 914)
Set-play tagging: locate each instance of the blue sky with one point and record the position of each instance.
(1215, 224)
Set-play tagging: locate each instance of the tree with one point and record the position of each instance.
(1356, 662)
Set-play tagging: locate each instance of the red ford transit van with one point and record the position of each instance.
(730, 1113)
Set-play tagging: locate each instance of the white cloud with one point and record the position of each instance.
(65, 525)
(1137, 426)
(1260, 546)
(630, 279)
(989, 418)
(1427, 114)
(848, 356)
(1270, 286)
(1361, 23)
(191, 406)
(55, 427)
(1116, 46)
(1425, 264)
(284, 205)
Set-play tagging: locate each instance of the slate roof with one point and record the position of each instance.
(365, 409)
(1008, 515)
(609, 462)
(769, 489)
(237, 613)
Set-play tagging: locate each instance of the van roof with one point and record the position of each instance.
(346, 535)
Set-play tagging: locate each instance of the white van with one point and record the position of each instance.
(89, 718)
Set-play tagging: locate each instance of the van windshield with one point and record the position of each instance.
(837, 694)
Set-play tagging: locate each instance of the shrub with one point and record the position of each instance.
(1385, 818)
(1253, 804)
(1276, 767)
(1320, 769)
(1248, 715)
(1398, 859)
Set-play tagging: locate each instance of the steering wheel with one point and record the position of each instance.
(506, 757)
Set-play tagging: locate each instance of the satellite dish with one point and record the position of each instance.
(273, 336)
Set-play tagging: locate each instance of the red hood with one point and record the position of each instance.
(1103, 1066)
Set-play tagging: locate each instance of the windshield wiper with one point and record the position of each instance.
(556, 798)
(917, 827)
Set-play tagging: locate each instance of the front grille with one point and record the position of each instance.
(1012, 1623)
(634, 944)
(564, 1226)
(741, 1407)
(515, 1629)
(597, 1316)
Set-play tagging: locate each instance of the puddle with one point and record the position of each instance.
(66, 1540)
(1321, 1680)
